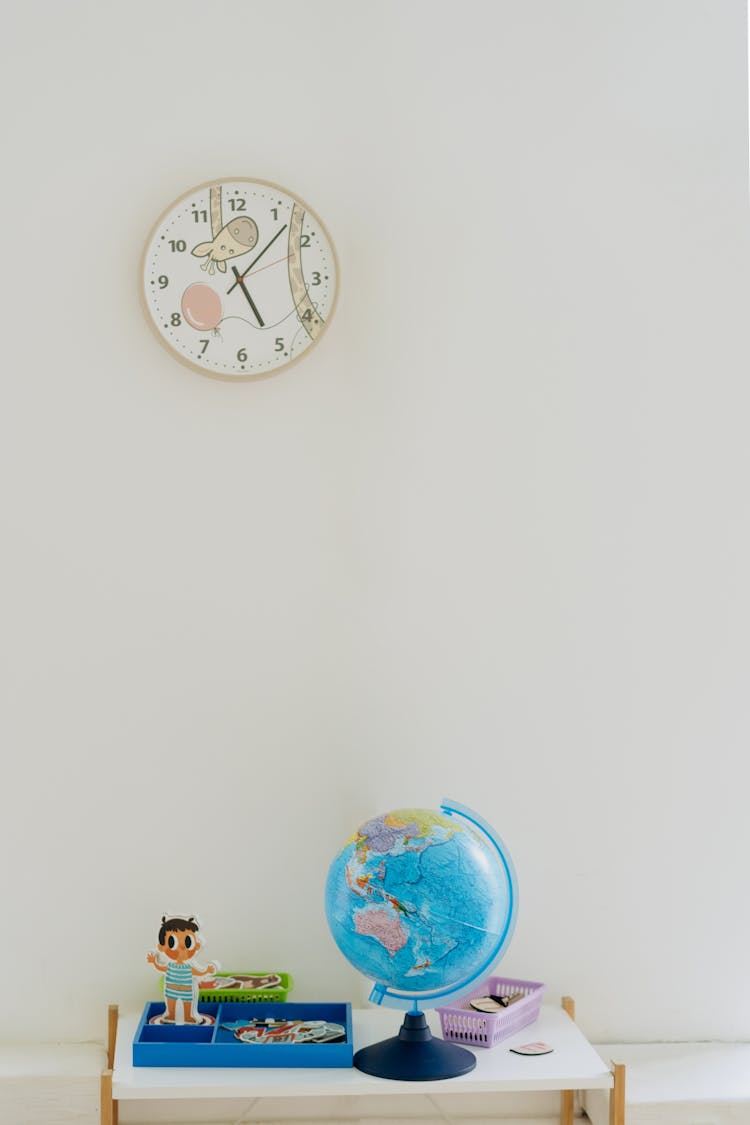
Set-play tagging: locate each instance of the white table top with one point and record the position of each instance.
(573, 1065)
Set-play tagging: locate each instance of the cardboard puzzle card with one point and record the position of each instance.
(179, 940)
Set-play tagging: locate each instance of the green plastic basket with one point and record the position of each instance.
(274, 991)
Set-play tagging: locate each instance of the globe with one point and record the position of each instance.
(422, 902)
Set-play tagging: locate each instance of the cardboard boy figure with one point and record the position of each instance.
(179, 941)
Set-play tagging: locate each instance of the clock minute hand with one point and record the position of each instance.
(241, 276)
(251, 302)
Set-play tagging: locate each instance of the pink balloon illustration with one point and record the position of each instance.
(201, 307)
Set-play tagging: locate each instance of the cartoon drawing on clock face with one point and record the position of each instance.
(236, 238)
(228, 240)
(307, 310)
(201, 308)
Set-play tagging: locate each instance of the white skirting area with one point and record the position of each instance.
(679, 1084)
(50, 1085)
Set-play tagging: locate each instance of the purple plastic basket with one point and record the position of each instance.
(460, 1023)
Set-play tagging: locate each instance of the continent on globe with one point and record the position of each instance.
(381, 924)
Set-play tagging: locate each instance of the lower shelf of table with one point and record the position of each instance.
(573, 1065)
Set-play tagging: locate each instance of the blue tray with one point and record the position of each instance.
(213, 1045)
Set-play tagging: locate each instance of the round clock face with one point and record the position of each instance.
(239, 278)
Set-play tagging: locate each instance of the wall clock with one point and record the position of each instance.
(239, 278)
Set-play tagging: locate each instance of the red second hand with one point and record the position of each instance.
(261, 268)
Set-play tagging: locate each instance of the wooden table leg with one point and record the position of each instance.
(112, 1014)
(566, 1107)
(567, 1097)
(108, 1105)
(617, 1096)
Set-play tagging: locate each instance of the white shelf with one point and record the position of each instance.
(573, 1065)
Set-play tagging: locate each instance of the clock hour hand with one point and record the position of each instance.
(257, 258)
(251, 302)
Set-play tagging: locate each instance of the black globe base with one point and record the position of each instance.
(413, 1055)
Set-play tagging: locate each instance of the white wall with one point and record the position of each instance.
(488, 540)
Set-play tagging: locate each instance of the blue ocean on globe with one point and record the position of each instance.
(421, 901)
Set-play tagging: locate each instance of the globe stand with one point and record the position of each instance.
(413, 1055)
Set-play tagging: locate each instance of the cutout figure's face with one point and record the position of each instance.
(180, 945)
